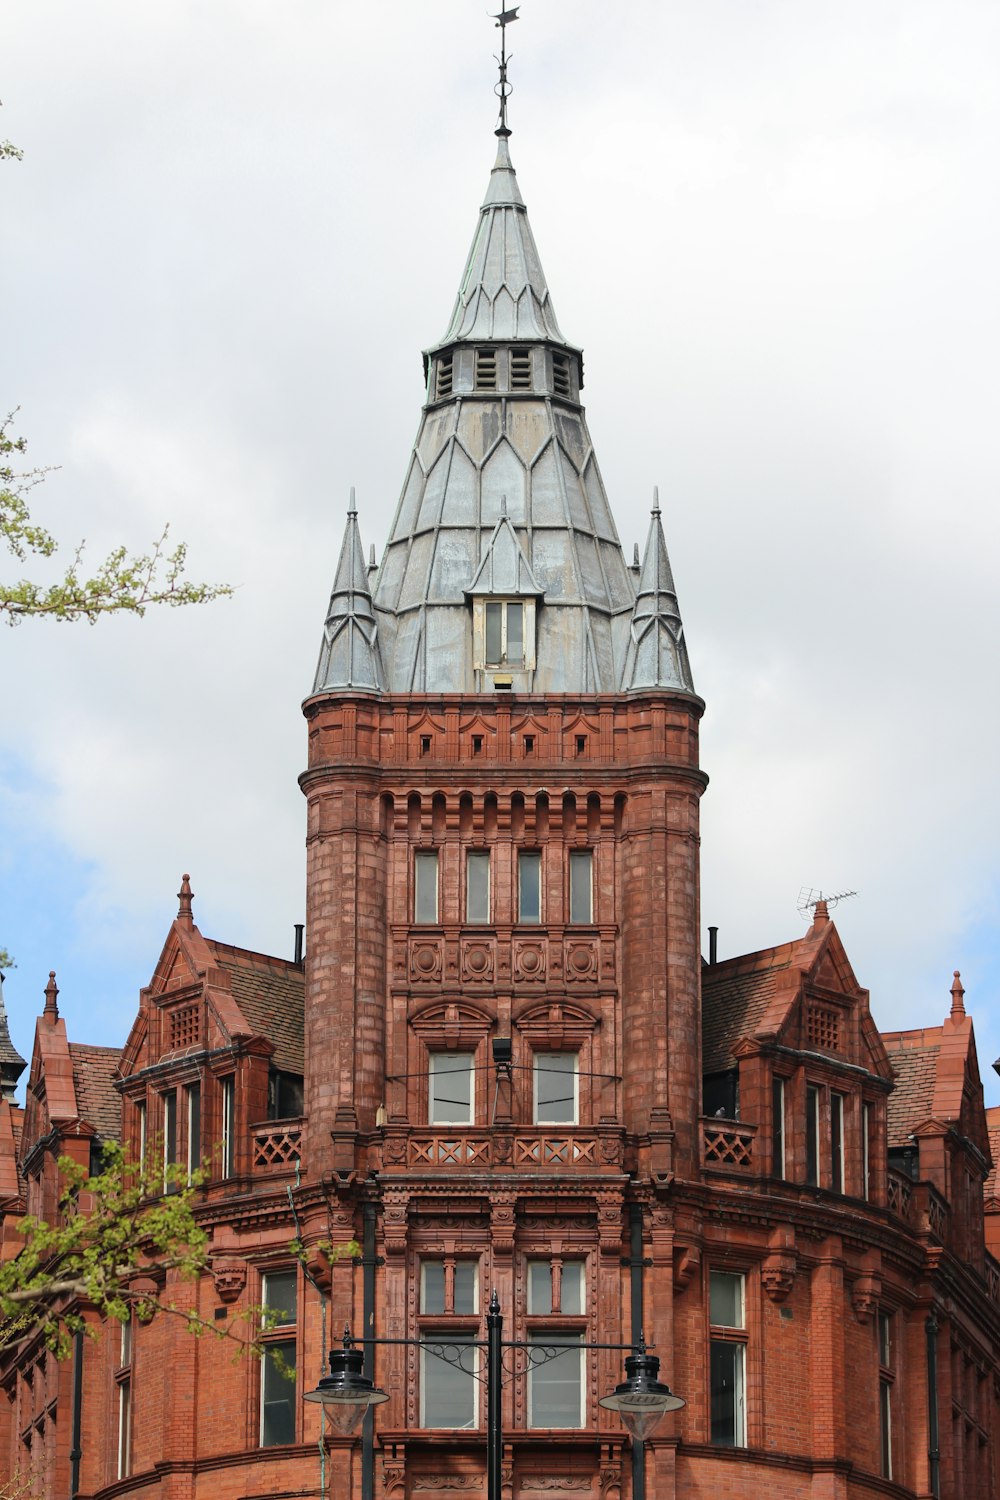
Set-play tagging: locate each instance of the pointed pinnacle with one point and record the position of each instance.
(352, 509)
(957, 996)
(51, 1010)
(185, 896)
(656, 500)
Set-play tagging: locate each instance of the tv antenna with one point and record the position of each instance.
(809, 899)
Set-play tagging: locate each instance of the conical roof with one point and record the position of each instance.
(349, 656)
(12, 1064)
(657, 655)
(503, 294)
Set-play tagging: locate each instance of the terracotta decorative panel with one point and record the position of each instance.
(529, 962)
(426, 958)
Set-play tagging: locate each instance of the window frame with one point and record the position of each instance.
(523, 855)
(428, 860)
(123, 1383)
(549, 1338)
(884, 1339)
(478, 859)
(778, 1118)
(505, 659)
(838, 1112)
(813, 1092)
(449, 1265)
(457, 1336)
(731, 1337)
(227, 1103)
(169, 1137)
(434, 1071)
(274, 1337)
(537, 1066)
(867, 1115)
(192, 1111)
(580, 859)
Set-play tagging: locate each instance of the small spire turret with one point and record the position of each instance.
(957, 997)
(657, 655)
(349, 657)
(12, 1064)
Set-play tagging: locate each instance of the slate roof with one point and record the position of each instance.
(97, 1100)
(270, 993)
(914, 1057)
(735, 997)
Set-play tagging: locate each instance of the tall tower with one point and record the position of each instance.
(502, 973)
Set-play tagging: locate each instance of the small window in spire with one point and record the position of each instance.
(445, 367)
(560, 374)
(486, 369)
(520, 369)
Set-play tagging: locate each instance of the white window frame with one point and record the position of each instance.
(169, 1136)
(438, 1065)
(523, 663)
(778, 1093)
(536, 1375)
(141, 1111)
(722, 1334)
(280, 1335)
(228, 1087)
(535, 1262)
(813, 1094)
(427, 861)
(540, 1064)
(446, 1262)
(192, 1092)
(428, 1361)
(478, 859)
(866, 1147)
(838, 1115)
(125, 1359)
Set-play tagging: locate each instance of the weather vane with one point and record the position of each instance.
(503, 88)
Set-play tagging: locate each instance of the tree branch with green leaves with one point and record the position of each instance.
(123, 582)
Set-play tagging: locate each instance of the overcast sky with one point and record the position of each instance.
(774, 230)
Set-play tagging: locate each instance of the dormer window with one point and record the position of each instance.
(486, 369)
(505, 634)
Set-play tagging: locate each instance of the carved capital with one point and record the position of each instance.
(230, 1277)
(778, 1276)
(865, 1294)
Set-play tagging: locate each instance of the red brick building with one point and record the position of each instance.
(504, 1063)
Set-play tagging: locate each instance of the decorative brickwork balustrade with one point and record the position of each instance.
(551, 1151)
(727, 1145)
(899, 1195)
(277, 1145)
(935, 1213)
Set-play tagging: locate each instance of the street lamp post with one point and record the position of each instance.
(640, 1400)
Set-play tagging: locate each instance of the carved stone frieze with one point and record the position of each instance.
(393, 1478)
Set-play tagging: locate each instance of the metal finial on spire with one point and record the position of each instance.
(656, 500)
(503, 88)
(352, 509)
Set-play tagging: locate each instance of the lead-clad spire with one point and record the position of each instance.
(349, 656)
(657, 656)
(503, 293)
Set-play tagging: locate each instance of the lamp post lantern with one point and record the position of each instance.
(641, 1399)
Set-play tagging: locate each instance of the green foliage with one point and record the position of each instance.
(113, 1227)
(6, 961)
(116, 1233)
(123, 582)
